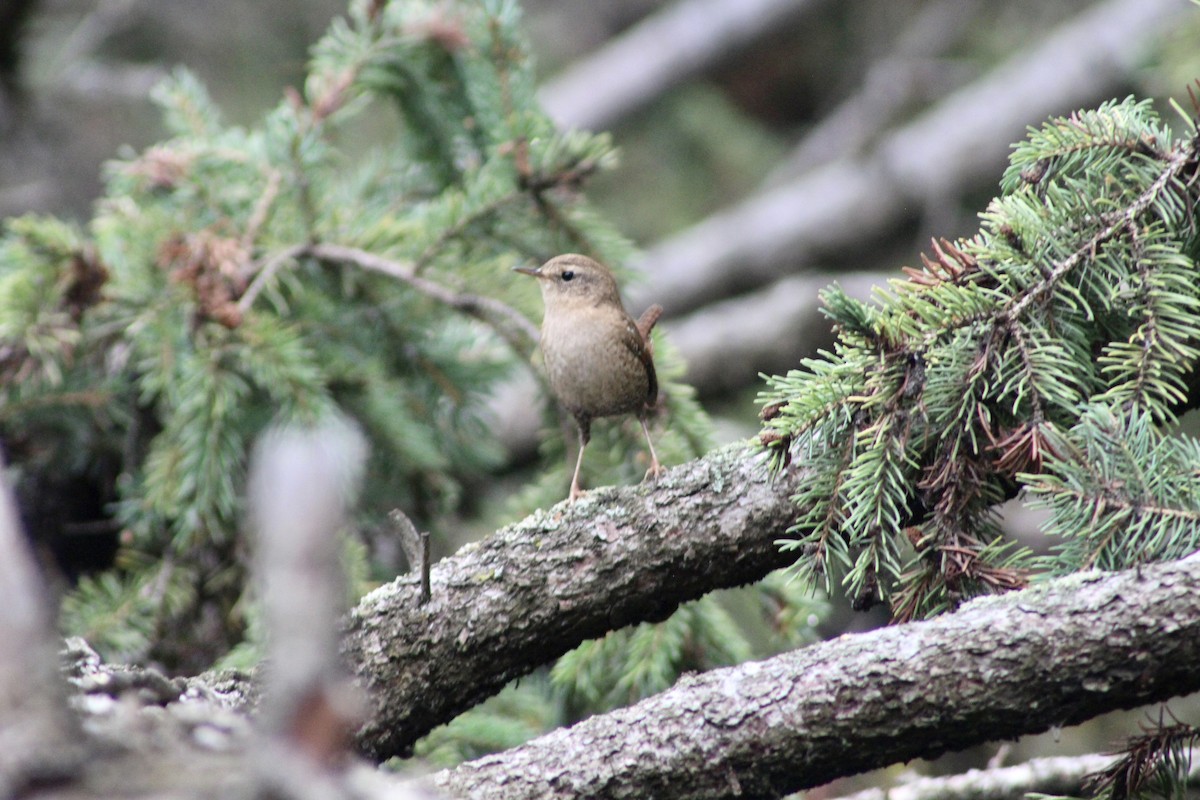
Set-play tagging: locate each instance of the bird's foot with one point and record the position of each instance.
(656, 470)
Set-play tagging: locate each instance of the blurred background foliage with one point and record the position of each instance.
(147, 347)
(154, 192)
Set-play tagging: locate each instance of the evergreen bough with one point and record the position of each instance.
(1050, 353)
(233, 278)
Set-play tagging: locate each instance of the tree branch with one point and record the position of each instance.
(521, 334)
(1061, 775)
(1001, 667)
(916, 71)
(660, 52)
(503, 606)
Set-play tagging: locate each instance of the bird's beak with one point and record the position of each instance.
(535, 272)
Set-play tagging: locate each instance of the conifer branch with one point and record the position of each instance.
(509, 323)
(452, 232)
(953, 386)
(159, 301)
(1110, 498)
(1157, 763)
(1114, 223)
(262, 210)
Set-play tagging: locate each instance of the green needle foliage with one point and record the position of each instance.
(633, 663)
(232, 278)
(1042, 352)
(520, 712)
(1119, 492)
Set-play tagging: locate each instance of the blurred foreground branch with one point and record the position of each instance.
(35, 728)
(143, 734)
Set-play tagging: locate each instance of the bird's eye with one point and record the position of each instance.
(568, 275)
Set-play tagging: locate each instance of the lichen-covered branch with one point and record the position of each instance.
(1001, 667)
(529, 593)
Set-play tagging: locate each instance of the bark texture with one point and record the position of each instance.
(1001, 667)
(504, 606)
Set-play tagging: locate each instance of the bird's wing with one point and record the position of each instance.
(639, 344)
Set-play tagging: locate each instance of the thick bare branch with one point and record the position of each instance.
(1057, 654)
(530, 592)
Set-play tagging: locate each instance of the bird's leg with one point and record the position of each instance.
(585, 434)
(656, 469)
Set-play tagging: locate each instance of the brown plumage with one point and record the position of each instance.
(599, 361)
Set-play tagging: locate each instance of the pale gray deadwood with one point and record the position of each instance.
(658, 53)
(915, 71)
(1000, 667)
(529, 593)
(1056, 775)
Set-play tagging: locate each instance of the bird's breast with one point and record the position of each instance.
(590, 364)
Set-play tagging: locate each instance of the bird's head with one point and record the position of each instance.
(573, 280)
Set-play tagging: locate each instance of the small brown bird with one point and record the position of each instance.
(599, 361)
